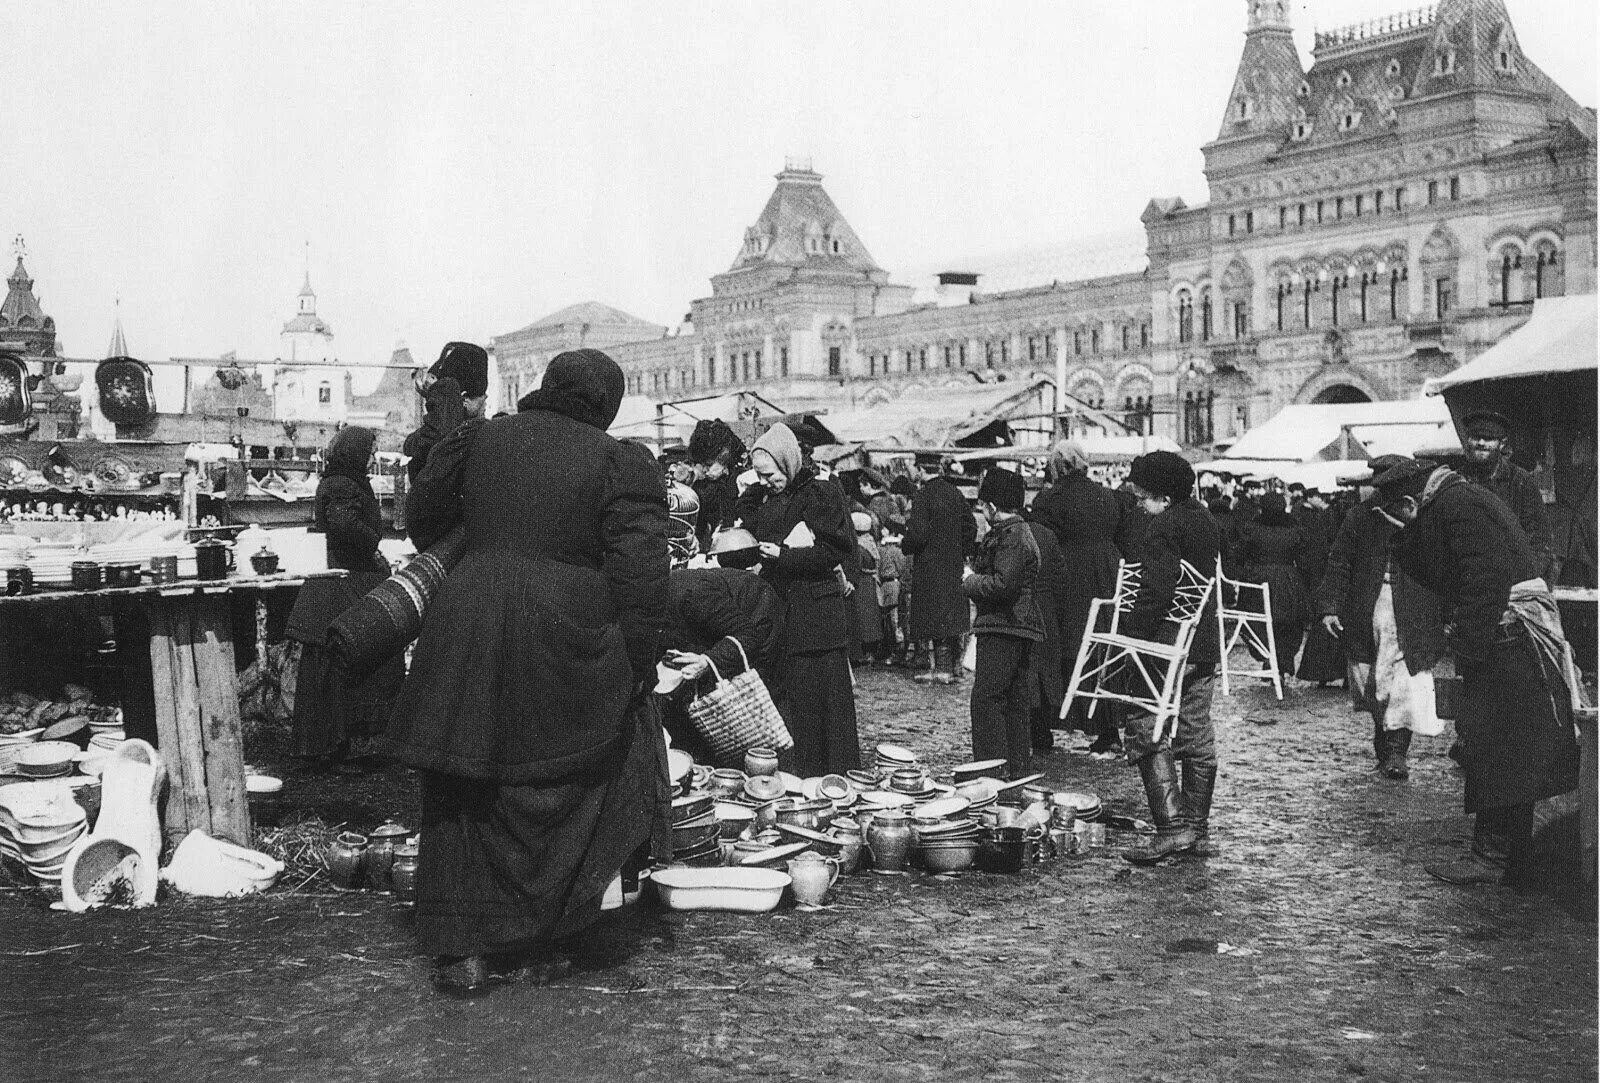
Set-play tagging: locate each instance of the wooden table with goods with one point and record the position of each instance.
(195, 691)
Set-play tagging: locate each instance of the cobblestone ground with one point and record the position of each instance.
(1314, 947)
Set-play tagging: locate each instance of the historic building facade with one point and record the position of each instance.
(1374, 220)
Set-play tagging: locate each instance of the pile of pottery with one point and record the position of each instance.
(892, 816)
(39, 822)
(383, 860)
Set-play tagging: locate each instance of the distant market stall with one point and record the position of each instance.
(1323, 445)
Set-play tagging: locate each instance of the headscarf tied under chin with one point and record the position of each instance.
(1068, 457)
(585, 385)
(780, 443)
(349, 452)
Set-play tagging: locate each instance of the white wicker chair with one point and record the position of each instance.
(1239, 623)
(1144, 673)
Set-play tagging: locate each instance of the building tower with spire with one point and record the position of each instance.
(317, 392)
(24, 328)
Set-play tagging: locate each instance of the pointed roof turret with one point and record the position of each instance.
(23, 324)
(1269, 75)
(800, 226)
(119, 342)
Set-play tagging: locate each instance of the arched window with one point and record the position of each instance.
(1548, 280)
(1185, 316)
(1205, 316)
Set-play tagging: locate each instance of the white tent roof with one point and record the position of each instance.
(1560, 336)
(1321, 474)
(936, 416)
(1305, 433)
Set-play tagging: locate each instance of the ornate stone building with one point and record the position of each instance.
(1374, 220)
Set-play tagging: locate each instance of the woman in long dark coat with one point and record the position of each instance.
(1051, 590)
(336, 714)
(543, 772)
(940, 533)
(1271, 549)
(814, 690)
(1089, 521)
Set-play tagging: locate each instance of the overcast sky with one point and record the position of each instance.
(462, 169)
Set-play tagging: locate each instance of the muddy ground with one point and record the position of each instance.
(1313, 947)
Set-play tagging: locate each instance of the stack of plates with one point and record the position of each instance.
(107, 740)
(968, 772)
(891, 758)
(39, 822)
(1084, 806)
(130, 552)
(52, 567)
(695, 830)
(25, 737)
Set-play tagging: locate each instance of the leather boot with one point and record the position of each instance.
(1173, 834)
(1392, 762)
(922, 663)
(463, 977)
(1199, 779)
(944, 662)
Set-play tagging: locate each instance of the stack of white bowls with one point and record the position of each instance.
(39, 822)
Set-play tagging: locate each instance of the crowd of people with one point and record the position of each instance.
(592, 566)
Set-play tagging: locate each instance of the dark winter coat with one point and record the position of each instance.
(1051, 591)
(710, 604)
(814, 615)
(1271, 550)
(1515, 724)
(1183, 532)
(345, 512)
(1091, 524)
(1317, 525)
(1468, 550)
(531, 650)
(940, 532)
(718, 496)
(1520, 492)
(1004, 579)
(1349, 590)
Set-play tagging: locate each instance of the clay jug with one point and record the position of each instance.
(811, 876)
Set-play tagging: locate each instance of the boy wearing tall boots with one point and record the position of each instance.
(1008, 626)
(1180, 529)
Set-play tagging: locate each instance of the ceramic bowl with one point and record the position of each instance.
(46, 759)
(732, 820)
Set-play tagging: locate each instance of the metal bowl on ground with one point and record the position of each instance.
(967, 772)
(950, 856)
(692, 805)
(824, 844)
(733, 819)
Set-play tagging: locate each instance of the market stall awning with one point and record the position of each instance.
(1332, 431)
(1320, 474)
(1559, 337)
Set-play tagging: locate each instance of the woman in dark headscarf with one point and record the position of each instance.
(1271, 550)
(526, 710)
(814, 691)
(336, 715)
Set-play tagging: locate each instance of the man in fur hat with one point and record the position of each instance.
(1180, 529)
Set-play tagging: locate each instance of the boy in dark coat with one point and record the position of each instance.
(1515, 715)
(1053, 589)
(1004, 576)
(1180, 529)
(940, 532)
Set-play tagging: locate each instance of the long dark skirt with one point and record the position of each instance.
(334, 713)
(819, 706)
(1515, 722)
(504, 868)
(1323, 658)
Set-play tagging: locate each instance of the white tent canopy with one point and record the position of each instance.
(1560, 336)
(1357, 430)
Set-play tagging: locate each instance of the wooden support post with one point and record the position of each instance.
(197, 716)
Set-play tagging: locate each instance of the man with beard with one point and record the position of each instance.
(1488, 463)
(1515, 714)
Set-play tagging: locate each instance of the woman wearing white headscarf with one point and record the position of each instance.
(805, 533)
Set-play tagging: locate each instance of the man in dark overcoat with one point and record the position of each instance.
(1489, 464)
(1515, 714)
(1358, 570)
(940, 533)
(1091, 524)
(1050, 593)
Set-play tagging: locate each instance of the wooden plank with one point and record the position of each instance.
(220, 725)
(176, 816)
(187, 711)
